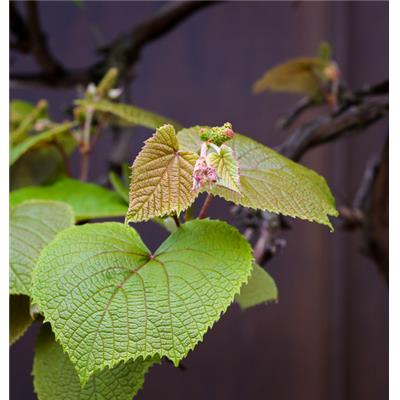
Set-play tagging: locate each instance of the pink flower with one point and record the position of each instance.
(203, 174)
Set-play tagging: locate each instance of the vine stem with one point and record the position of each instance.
(85, 148)
(205, 206)
(176, 220)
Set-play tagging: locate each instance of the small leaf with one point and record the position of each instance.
(55, 378)
(161, 181)
(272, 182)
(129, 114)
(33, 224)
(227, 168)
(109, 300)
(39, 139)
(259, 289)
(86, 199)
(20, 319)
(300, 75)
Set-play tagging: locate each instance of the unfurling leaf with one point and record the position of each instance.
(300, 75)
(94, 275)
(161, 180)
(259, 289)
(271, 182)
(20, 318)
(54, 376)
(227, 167)
(129, 114)
(86, 199)
(39, 139)
(33, 224)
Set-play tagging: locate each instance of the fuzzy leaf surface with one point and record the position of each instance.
(130, 114)
(20, 318)
(109, 300)
(161, 180)
(272, 182)
(86, 199)
(33, 225)
(54, 375)
(227, 167)
(259, 289)
(39, 139)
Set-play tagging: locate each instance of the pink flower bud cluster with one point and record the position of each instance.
(203, 174)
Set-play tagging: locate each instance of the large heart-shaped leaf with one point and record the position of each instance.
(161, 180)
(33, 224)
(270, 181)
(109, 299)
(86, 199)
(259, 289)
(55, 378)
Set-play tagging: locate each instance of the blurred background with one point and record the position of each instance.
(327, 337)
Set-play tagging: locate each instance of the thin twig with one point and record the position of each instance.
(206, 205)
(176, 220)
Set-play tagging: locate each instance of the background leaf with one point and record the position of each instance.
(39, 139)
(272, 182)
(20, 318)
(300, 75)
(32, 226)
(129, 114)
(86, 199)
(259, 289)
(161, 180)
(108, 299)
(55, 378)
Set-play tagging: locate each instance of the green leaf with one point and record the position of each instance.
(227, 168)
(259, 289)
(33, 224)
(119, 186)
(299, 75)
(86, 199)
(20, 318)
(272, 182)
(129, 114)
(55, 378)
(161, 180)
(109, 299)
(39, 139)
(19, 109)
(28, 122)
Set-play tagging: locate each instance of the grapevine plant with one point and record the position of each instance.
(109, 307)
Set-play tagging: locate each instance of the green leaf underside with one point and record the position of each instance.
(161, 180)
(130, 114)
(42, 138)
(33, 224)
(54, 376)
(108, 300)
(20, 319)
(300, 75)
(259, 289)
(227, 168)
(272, 182)
(86, 199)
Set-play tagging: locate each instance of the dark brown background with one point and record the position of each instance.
(327, 338)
